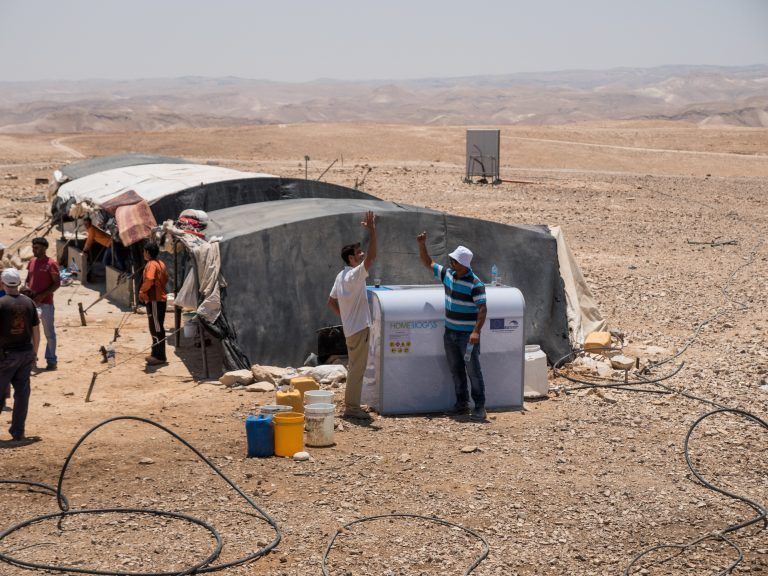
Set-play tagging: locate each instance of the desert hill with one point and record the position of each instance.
(736, 96)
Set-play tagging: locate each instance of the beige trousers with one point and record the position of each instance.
(357, 350)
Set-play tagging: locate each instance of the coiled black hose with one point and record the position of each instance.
(762, 513)
(483, 555)
(204, 566)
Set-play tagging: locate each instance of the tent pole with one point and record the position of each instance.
(176, 309)
(201, 332)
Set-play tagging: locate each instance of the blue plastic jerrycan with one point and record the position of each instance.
(261, 436)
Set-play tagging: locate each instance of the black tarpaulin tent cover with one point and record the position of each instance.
(279, 260)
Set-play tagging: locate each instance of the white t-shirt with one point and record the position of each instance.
(350, 290)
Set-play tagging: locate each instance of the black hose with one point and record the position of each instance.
(45, 487)
(61, 515)
(762, 513)
(483, 555)
(203, 566)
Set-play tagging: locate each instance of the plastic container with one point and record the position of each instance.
(261, 437)
(536, 385)
(289, 433)
(274, 409)
(318, 397)
(303, 384)
(190, 328)
(292, 398)
(494, 275)
(319, 424)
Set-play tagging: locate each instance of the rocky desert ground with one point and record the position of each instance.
(667, 221)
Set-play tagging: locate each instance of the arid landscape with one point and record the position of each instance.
(667, 220)
(704, 95)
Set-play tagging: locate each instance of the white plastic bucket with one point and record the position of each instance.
(318, 421)
(274, 409)
(536, 385)
(318, 397)
(190, 328)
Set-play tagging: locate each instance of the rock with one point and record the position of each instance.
(271, 374)
(468, 449)
(404, 458)
(146, 461)
(301, 456)
(622, 362)
(604, 370)
(243, 377)
(764, 388)
(260, 387)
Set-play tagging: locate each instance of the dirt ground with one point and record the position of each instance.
(576, 484)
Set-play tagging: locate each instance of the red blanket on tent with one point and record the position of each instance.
(133, 216)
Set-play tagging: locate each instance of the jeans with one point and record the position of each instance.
(455, 344)
(15, 369)
(50, 332)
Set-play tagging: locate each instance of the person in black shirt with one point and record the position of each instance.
(19, 341)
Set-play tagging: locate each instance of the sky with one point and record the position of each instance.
(303, 40)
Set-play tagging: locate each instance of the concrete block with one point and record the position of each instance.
(597, 340)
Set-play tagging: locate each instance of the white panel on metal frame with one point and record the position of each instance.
(483, 147)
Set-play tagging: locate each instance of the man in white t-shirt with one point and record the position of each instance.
(349, 299)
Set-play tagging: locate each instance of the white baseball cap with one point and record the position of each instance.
(10, 277)
(462, 255)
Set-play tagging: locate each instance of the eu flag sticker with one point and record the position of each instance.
(504, 324)
(497, 323)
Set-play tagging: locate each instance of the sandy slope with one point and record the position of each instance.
(573, 485)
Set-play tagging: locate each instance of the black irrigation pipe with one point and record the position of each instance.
(45, 487)
(762, 512)
(203, 566)
(483, 555)
(599, 382)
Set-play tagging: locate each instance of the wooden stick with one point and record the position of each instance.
(90, 388)
(82, 313)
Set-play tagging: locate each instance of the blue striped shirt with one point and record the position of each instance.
(462, 297)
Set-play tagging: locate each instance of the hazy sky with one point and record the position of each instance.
(369, 39)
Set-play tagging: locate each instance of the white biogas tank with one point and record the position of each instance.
(407, 371)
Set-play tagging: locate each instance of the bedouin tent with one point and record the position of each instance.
(279, 259)
(170, 188)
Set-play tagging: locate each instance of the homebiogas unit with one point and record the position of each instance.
(407, 372)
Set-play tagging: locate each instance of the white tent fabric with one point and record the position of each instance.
(209, 281)
(150, 181)
(581, 309)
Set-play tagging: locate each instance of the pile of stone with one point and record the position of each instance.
(267, 378)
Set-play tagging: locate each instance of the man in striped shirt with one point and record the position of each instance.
(465, 312)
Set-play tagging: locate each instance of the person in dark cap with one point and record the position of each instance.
(19, 341)
(42, 281)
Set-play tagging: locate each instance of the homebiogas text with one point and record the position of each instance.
(414, 325)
